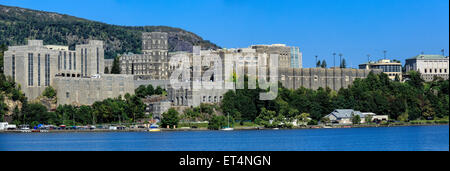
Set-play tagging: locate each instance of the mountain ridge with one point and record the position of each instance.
(19, 24)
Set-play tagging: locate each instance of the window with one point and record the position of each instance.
(82, 62)
(59, 61)
(30, 69)
(70, 60)
(85, 61)
(14, 67)
(98, 61)
(74, 61)
(47, 70)
(67, 94)
(65, 60)
(39, 69)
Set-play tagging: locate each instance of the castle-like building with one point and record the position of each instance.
(79, 78)
(77, 75)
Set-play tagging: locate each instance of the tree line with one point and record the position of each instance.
(127, 109)
(414, 99)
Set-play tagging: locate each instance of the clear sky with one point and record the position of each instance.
(355, 28)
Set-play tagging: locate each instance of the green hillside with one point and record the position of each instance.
(19, 24)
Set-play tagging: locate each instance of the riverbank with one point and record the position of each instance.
(237, 128)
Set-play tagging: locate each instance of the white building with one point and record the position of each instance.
(429, 66)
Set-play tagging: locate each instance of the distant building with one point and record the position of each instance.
(156, 105)
(390, 68)
(34, 66)
(87, 91)
(153, 64)
(283, 52)
(109, 64)
(429, 66)
(344, 116)
(296, 57)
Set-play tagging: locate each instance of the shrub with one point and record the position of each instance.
(49, 92)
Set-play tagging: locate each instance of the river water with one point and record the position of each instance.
(411, 138)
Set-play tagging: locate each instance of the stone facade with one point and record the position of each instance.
(313, 78)
(34, 66)
(77, 75)
(243, 59)
(86, 91)
(390, 68)
(153, 64)
(109, 64)
(429, 66)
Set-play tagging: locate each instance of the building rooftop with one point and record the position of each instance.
(346, 113)
(429, 57)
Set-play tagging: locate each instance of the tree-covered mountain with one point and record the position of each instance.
(19, 24)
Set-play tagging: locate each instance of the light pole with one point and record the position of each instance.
(443, 52)
(316, 61)
(385, 51)
(334, 60)
(368, 58)
(340, 60)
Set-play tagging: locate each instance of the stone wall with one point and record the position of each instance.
(86, 91)
(313, 78)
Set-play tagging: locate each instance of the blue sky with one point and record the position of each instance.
(354, 28)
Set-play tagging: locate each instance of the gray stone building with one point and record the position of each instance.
(290, 77)
(153, 64)
(284, 53)
(34, 66)
(313, 78)
(86, 91)
(429, 66)
(77, 75)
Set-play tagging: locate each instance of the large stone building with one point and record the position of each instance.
(391, 68)
(313, 78)
(429, 66)
(77, 75)
(290, 77)
(86, 91)
(153, 64)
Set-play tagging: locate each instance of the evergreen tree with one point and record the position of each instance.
(116, 66)
(318, 64)
(343, 63)
(324, 64)
(106, 70)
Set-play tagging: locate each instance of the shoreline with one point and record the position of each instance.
(205, 129)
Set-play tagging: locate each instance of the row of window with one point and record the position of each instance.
(71, 56)
(388, 68)
(31, 69)
(435, 70)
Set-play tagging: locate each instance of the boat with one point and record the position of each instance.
(228, 128)
(154, 130)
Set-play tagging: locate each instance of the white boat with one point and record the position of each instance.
(154, 130)
(228, 128)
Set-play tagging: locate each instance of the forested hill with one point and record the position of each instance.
(19, 24)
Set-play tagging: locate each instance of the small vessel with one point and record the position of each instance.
(154, 130)
(228, 128)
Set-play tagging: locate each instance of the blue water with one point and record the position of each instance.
(414, 138)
